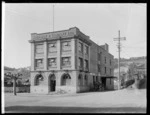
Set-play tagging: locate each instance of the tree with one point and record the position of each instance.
(14, 77)
(132, 70)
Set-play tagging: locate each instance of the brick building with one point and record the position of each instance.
(68, 60)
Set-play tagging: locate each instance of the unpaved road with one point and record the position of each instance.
(126, 101)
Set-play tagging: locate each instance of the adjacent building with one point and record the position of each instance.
(68, 61)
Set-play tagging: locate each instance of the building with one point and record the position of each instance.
(141, 70)
(68, 61)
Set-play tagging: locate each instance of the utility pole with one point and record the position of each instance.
(53, 18)
(119, 47)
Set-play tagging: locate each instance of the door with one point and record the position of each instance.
(52, 85)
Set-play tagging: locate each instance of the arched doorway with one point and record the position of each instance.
(66, 79)
(52, 82)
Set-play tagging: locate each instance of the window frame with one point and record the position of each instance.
(66, 45)
(80, 47)
(52, 64)
(37, 64)
(69, 61)
(39, 50)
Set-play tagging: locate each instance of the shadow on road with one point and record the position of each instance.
(52, 109)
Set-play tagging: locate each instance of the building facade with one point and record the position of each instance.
(68, 61)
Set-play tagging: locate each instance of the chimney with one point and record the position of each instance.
(106, 47)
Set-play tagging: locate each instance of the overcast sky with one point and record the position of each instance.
(99, 21)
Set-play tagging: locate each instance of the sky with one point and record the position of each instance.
(99, 21)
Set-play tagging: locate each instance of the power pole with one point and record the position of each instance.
(119, 47)
(53, 18)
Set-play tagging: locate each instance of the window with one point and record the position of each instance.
(66, 45)
(110, 62)
(39, 63)
(39, 48)
(110, 71)
(52, 62)
(105, 59)
(86, 64)
(86, 50)
(98, 56)
(66, 61)
(80, 47)
(39, 79)
(80, 63)
(52, 47)
(99, 69)
(105, 70)
(66, 79)
(96, 78)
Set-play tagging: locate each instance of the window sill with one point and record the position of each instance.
(52, 67)
(52, 52)
(38, 68)
(66, 66)
(66, 50)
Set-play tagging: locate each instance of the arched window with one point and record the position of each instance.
(39, 79)
(66, 79)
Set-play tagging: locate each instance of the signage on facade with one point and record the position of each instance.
(63, 34)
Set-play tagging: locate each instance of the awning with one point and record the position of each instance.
(108, 77)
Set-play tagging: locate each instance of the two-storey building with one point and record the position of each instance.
(67, 61)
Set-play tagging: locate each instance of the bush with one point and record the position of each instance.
(142, 83)
(129, 82)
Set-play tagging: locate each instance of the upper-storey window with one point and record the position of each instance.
(105, 59)
(52, 47)
(99, 56)
(39, 63)
(66, 45)
(66, 61)
(110, 62)
(80, 47)
(39, 48)
(110, 71)
(86, 50)
(105, 70)
(52, 62)
(86, 64)
(99, 68)
(80, 63)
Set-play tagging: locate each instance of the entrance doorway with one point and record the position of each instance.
(104, 82)
(52, 83)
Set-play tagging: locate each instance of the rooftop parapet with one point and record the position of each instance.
(71, 32)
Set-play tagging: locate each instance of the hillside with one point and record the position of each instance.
(126, 62)
(24, 71)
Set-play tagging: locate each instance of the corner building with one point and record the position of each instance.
(68, 61)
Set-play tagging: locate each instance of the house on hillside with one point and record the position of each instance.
(68, 60)
(141, 70)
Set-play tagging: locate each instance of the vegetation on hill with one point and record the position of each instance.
(126, 62)
(25, 78)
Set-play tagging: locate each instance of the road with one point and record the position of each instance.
(119, 101)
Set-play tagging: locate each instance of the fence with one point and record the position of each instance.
(25, 89)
